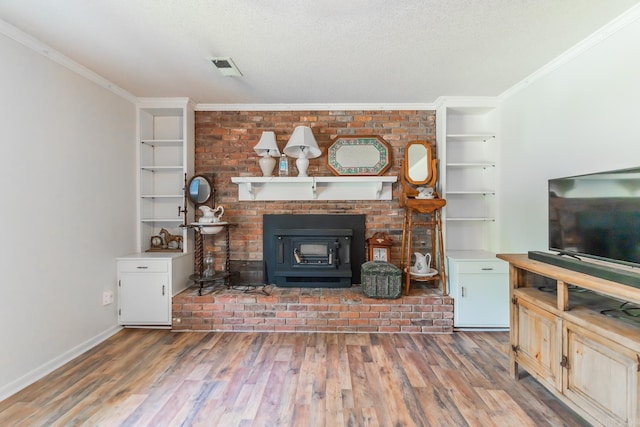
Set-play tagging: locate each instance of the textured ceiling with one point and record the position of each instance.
(313, 51)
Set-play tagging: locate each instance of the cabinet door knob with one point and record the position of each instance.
(142, 267)
(487, 268)
(163, 290)
(462, 291)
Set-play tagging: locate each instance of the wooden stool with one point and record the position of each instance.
(430, 208)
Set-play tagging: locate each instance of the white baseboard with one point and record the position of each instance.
(482, 329)
(52, 365)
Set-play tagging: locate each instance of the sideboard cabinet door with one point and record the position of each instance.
(601, 376)
(538, 338)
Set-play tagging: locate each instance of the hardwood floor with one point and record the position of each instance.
(160, 378)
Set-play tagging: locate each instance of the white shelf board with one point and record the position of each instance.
(159, 168)
(162, 141)
(461, 137)
(471, 164)
(271, 188)
(471, 255)
(471, 192)
(470, 219)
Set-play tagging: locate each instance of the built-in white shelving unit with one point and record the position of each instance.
(314, 188)
(148, 279)
(467, 149)
(165, 157)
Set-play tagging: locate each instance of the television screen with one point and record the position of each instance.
(597, 215)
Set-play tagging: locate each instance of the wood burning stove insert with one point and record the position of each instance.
(313, 250)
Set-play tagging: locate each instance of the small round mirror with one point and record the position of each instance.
(199, 189)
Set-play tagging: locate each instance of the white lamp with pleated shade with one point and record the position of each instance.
(267, 149)
(303, 146)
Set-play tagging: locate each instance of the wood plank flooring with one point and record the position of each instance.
(160, 378)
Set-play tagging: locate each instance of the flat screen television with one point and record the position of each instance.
(597, 215)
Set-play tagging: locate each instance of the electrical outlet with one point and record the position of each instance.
(107, 297)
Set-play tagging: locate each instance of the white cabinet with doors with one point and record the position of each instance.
(146, 284)
(479, 286)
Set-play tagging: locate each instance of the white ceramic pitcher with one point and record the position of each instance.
(423, 263)
(211, 216)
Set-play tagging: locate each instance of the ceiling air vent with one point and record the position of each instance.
(226, 67)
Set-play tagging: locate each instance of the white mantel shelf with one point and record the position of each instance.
(269, 188)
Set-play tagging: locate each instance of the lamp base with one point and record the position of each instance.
(267, 165)
(302, 163)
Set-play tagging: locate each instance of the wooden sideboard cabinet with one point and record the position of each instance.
(576, 335)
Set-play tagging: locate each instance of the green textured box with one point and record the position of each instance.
(381, 279)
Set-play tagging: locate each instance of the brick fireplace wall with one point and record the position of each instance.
(224, 142)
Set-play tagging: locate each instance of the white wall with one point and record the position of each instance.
(67, 156)
(583, 117)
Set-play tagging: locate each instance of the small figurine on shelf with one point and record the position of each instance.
(172, 241)
(208, 263)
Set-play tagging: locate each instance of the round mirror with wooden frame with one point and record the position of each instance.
(199, 190)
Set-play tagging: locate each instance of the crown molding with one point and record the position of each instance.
(315, 107)
(467, 101)
(164, 102)
(47, 51)
(594, 39)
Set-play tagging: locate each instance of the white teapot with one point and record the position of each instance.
(425, 193)
(423, 263)
(209, 215)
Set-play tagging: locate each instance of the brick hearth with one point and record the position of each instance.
(425, 310)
